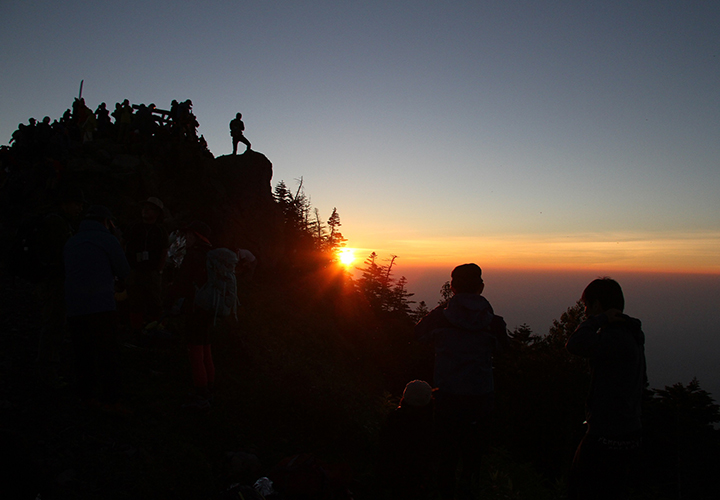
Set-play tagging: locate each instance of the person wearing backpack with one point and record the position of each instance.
(198, 322)
(465, 334)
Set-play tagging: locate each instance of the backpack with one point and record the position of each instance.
(24, 257)
(219, 293)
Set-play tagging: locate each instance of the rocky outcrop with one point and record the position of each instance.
(244, 214)
(232, 194)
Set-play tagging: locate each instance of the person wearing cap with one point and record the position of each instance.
(465, 333)
(55, 230)
(94, 260)
(198, 323)
(146, 248)
(407, 444)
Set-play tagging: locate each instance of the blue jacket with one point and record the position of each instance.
(616, 352)
(465, 334)
(93, 258)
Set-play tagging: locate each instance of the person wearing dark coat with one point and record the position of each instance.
(146, 250)
(465, 333)
(94, 261)
(614, 345)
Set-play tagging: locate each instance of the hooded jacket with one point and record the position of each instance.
(465, 334)
(616, 353)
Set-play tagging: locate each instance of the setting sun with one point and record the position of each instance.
(346, 256)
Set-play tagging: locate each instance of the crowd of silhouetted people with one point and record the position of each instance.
(128, 124)
(39, 152)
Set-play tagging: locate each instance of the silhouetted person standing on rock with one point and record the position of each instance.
(614, 344)
(237, 127)
(465, 333)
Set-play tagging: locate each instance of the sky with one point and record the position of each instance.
(563, 137)
(522, 134)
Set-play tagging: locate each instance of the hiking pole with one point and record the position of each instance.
(81, 86)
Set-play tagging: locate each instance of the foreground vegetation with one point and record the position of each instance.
(311, 367)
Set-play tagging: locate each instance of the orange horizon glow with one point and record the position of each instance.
(684, 253)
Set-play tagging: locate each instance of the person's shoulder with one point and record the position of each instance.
(621, 323)
(486, 303)
(628, 327)
(107, 237)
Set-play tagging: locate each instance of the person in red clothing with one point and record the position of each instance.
(198, 322)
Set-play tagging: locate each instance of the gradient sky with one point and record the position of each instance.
(518, 134)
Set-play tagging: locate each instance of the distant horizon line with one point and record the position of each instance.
(556, 269)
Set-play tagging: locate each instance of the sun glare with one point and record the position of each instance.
(346, 256)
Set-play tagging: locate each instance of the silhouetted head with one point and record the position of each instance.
(467, 278)
(238, 116)
(604, 291)
(101, 214)
(152, 210)
(416, 393)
